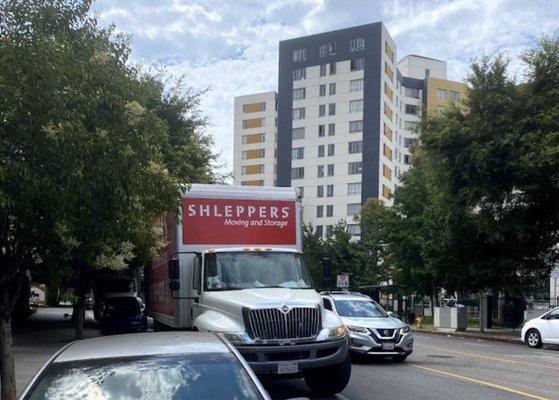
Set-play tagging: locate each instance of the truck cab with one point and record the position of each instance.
(249, 282)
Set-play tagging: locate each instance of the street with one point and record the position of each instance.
(440, 368)
(445, 368)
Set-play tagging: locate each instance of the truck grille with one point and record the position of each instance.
(273, 324)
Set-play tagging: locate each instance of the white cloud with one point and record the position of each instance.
(232, 47)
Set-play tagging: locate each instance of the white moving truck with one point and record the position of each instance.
(232, 264)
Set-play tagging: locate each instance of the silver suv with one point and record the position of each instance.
(371, 329)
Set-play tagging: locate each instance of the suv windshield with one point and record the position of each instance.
(159, 377)
(247, 270)
(359, 308)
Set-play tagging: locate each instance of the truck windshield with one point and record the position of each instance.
(253, 270)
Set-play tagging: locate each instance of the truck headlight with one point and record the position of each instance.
(234, 337)
(357, 329)
(405, 329)
(336, 333)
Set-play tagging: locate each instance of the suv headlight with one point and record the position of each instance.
(405, 329)
(357, 329)
(336, 333)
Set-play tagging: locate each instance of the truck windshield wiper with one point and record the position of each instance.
(224, 288)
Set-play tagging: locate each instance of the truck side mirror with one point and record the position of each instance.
(327, 268)
(174, 269)
(174, 285)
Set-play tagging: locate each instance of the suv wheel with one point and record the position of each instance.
(534, 339)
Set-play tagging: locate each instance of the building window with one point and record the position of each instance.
(322, 110)
(357, 64)
(256, 138)
(330, 210)
(297, 173)
(330, 169)
(321, 130)
(412, 92)
(386, 192)
(321, 150)
(355, 147)
(253, 183)
(427, 72)
(354, 189)
(297, 153)
(408, 142)
(299, 74)
(411, 125)
(331, 129)
(354, 168)
(329, 230)
(355, 126)
(332, 109)
(322, 90)
(327, 49)
(389, 52)
(300, 55)
(332, 89)
(411, 109)
(332, 68)
(355, 106)
(407, 159)
(388, 72)
(320, 171)
(298, 133)
(330, 190)
(330, 150)
(253, 123)
(319, 211)
(441, 94)
(253, 154)
(254, 107)
(387, 151)
(323, 68)
(353, 209)
(320, 191)
(386, 171)
(319, 230)
(252, 169)
(356, 85)
(299, 113)
(353, 229)
(454, 95)
(356, 44)
(299, 94)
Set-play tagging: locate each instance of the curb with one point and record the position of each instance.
(502, 339)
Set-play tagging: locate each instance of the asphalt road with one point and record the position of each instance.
(448, 368)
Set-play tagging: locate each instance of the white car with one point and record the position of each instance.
(165, 365)
(542, 330)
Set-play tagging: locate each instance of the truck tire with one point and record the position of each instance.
(328, 381)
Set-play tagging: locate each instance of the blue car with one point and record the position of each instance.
(123, 314)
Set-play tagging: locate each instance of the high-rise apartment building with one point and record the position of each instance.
(254, 154)
(347, 118)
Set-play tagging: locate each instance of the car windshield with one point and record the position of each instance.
(359, 308)
(158, 377)
(247, 270)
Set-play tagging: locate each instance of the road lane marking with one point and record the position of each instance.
(492, 358)
(479, 382)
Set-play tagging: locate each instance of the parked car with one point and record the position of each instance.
(123, 314)
(372, 330)
(542, 330)
(163, 365)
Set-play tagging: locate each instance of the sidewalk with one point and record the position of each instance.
(40, 337)
(504, 335)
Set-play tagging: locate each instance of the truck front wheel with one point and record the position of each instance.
(328, 381)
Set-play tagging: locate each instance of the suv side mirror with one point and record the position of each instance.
(174, 285)
(174, 269)
(327, 268)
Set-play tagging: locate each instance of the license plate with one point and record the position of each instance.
(388, 346)
(289, 367)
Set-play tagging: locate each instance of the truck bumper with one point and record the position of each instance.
(265, 359)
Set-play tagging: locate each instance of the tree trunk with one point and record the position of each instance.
(79, 316)
(7, 368)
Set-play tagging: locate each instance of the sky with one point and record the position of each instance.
(231, 46)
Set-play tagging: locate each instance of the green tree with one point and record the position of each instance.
(92, 148)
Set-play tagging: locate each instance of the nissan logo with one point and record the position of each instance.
(386, 332)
